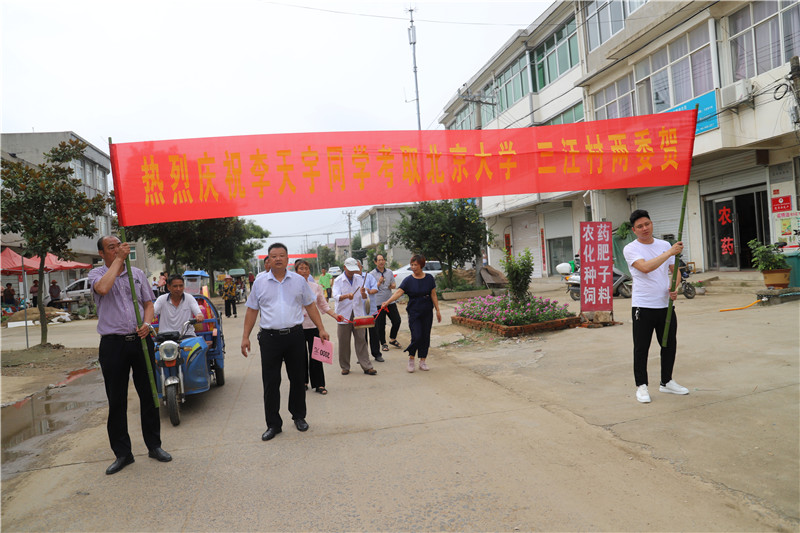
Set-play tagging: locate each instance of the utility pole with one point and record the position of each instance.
(412, 40)
(349, 214)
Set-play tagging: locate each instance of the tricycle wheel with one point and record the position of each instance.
(219, 375)
(172, 405)
(575, 294)
(689, 291)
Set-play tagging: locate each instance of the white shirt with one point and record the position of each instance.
(348, 308)
(322, 304)
(281, 303)
(371, 285)
(650, 290)
(172, 318)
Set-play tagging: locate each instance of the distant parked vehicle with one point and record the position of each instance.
(77, 290)
(434, 268)
(334, 271)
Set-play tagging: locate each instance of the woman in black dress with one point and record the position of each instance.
(421, 290)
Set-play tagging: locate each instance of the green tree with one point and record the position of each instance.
(325, 256)
(48, 208)
(209, 244)
(355, 248)
(450, 231)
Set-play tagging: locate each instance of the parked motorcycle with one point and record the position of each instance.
(570, 273)
(189, 365)
(686, 286)
(622, 284)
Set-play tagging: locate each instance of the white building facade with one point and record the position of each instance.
(619, 58)
(377, 224)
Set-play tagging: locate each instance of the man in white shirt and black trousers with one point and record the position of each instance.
(280, 296)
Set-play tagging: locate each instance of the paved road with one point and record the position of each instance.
(540, 434)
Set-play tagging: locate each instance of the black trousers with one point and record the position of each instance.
(380, 323)
(315, 369)
(230, 305)
(645, 322)
(117, 357)
(374, 343)
(420, 326)
(275, 350)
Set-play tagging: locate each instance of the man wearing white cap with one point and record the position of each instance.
(349, 294)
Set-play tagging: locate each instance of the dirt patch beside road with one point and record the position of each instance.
(33, 369)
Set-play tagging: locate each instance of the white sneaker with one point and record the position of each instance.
(642, 395)
(673, 388)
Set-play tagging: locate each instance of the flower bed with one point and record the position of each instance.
(507, 317)
(514, 331)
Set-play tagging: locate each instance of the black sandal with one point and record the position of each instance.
(321, 390)
(395, 344)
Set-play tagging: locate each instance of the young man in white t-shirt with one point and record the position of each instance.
(651, 262)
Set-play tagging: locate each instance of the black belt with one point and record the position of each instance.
(284, 331)
(127, 338)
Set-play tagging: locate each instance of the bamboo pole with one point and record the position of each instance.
(675, 268)
(145, 350)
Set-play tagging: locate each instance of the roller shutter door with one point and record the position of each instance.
(664, 207)
(525, 230)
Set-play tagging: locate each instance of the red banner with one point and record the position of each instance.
(165, 181)
(597, 267)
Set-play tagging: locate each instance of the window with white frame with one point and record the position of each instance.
(605, 18)
(465, 119)
(615, 100)
(570, 116)
(89, 177)
(556, 55)
(512, 84)
(763, 36)
(77, 166)
(674, 74)
(488, 110)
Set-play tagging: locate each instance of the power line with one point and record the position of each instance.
(389, 17)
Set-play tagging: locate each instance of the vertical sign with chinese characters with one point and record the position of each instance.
(724, 223)
(597, 267)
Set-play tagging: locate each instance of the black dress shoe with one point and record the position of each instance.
(119, 464)
(270, 433)
(301, 424)
(160, 455)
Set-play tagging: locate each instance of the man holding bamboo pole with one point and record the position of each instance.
(651, 260)
(121, 349)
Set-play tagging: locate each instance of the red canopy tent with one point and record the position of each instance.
(53, 263)
(12, 263)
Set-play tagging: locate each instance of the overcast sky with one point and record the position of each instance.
(150, 70)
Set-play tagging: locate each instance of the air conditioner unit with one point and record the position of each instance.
(735, 94)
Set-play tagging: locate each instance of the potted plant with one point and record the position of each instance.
(770, 261)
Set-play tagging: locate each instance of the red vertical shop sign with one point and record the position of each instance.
(597, 267)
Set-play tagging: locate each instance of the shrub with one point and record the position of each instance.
(511, 312)
(518, 271)
(767, 256)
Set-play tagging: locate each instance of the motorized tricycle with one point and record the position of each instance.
(188, 365)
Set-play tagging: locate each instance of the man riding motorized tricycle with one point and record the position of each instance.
(190, 347)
